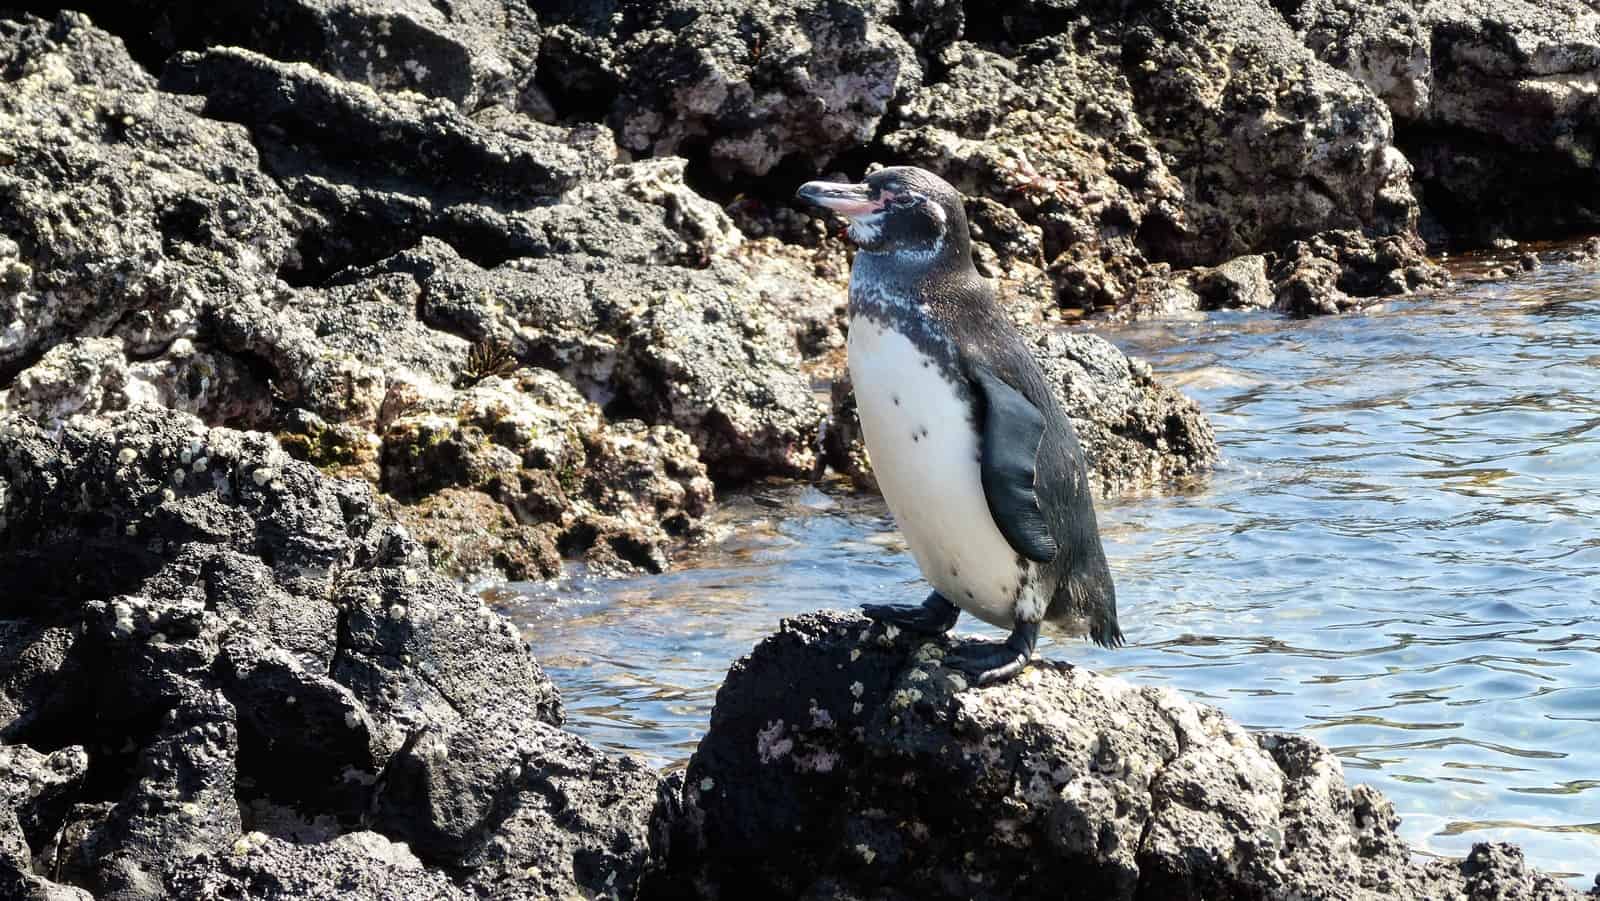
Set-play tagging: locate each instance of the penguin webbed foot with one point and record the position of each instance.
(934, 616)
(988, 662)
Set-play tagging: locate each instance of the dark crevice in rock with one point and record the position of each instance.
(386, 774)
(1288, 8)
(49, 582)
(574, 542)
(114, 749)
(148, 39)
(22, 363)
(328, 255)
(577, 88)
(320, 255)
(1536, 199)
(355, 238)
(984, 27)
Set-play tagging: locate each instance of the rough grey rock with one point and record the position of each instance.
(378, 391)
(90, 376)
(32, 671)
(1184, 133)
(697, 349)
(746, 85)
(361, 865)
(473, 53)
(526, 809)
(335, 309)
(1340, 270)
(1492, 102)
(1134, 429)
(346, 361)
(471, 533)
(846, 761)
(1239, 283)
(35, 792)
(640, 212)
(372, 172)
(179, 803)
(121, 212)
(254, 634)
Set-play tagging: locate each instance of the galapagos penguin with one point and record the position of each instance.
(977, 461)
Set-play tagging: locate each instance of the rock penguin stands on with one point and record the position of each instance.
(974, 455)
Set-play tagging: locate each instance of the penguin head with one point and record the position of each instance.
(900, 211)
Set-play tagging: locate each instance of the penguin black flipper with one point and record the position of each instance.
(1012, 431)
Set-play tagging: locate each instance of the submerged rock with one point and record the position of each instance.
(846, 761)
(251, 636)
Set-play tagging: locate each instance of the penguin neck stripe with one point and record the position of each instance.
(906, 255)
(891, 304)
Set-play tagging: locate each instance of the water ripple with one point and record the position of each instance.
(1399, 554)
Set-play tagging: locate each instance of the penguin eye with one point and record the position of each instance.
(903, 199)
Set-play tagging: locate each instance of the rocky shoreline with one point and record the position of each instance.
(312, 307)
(481, 257)
(225, 675)
(534, 350)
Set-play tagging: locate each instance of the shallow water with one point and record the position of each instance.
(1400, 555)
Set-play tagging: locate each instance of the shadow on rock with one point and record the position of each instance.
(845, 761)
(232, 661)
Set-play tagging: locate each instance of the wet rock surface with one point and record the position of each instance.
(843, 761)
(254, 637)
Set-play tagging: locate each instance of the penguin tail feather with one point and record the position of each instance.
(1107, 635)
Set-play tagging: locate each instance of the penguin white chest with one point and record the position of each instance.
(926, 455)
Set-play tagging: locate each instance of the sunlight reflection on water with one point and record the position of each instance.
(1399, 556)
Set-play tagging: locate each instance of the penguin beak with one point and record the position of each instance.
(851, 200)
